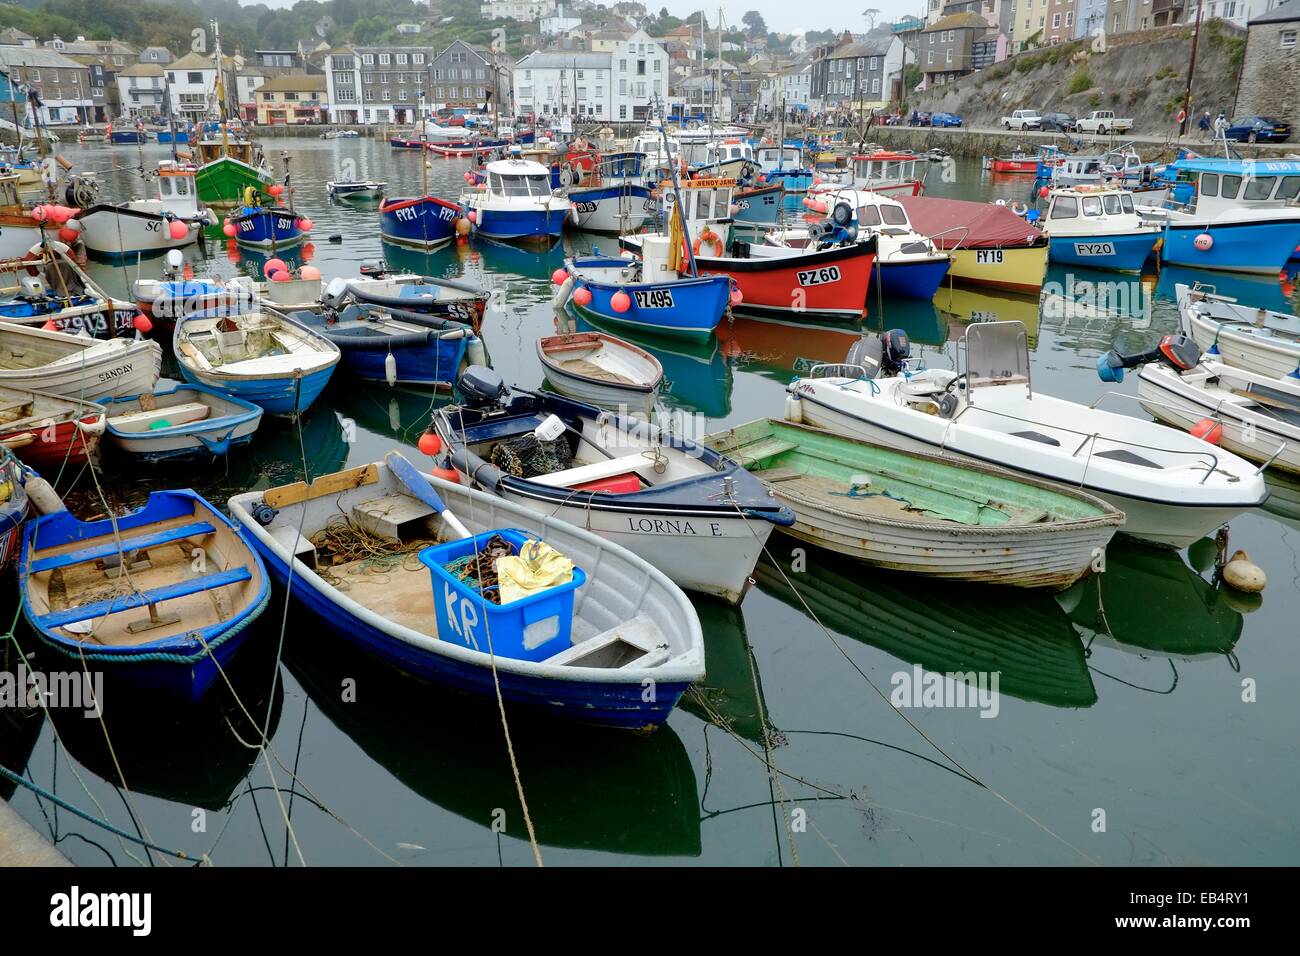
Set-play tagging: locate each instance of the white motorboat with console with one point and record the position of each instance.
(1174, 488)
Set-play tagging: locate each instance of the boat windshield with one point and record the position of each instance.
(1091, 205)
(1112, 203)
(516, 184)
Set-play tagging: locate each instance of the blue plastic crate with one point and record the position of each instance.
(530, 629)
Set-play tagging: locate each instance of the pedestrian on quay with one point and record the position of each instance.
(1204, 124)
(1221, 127)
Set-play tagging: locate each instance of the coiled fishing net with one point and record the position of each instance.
(478, 571)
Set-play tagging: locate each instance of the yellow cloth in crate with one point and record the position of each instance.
(537, 567)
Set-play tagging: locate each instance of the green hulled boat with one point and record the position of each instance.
(227, 168)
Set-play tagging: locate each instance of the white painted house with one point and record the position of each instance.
(640, 76)
(141, 88)
(561, 21)
(192, 82)
(524, 10)
(549, 83)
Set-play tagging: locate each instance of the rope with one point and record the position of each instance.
(907, 720)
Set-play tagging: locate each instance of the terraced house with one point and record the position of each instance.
(377, 84)
(104, 59)
(291, 100)
(62, 84)
(857, 74)
(464, 75)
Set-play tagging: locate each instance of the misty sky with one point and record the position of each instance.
(785, 17)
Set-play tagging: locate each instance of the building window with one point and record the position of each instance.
(385, 59)
(401, 59)
(1288, 39)
(1056, 21)
(387, 94)
(368, 59)
(417, 59)
(194, 77)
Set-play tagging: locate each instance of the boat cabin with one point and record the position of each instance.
(518, 179)
(1223, 184)
(703, 200)
(884, 168)
(1082, 202)
(621, 167)
(772, 158)
(176, 188)
(211, 150)
(1078, 170)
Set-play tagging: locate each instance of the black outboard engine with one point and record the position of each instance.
(883, 355)
(481, 388)
(1179, 352)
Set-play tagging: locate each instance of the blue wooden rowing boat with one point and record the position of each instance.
(395, 346)
(162, 596)
(760, 206)
(13, 505)
(421, 222)
(642, 631)
(184, 421)
(267, 227)
(259, 357)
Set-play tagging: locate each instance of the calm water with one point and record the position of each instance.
(1124, 695)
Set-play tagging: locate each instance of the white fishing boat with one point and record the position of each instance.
(355, 189)
(631, 627)
(1172, 487)
(77, 366)
(601, 369)
(517, 202)
(1258, 417)
(147, 226)
(687, 510)
(1256, 339)
(48, 289)
(922, 513)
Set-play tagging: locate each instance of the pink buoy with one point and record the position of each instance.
(179, 230)
(430, 444)
(275, 189)
(229, 229)
(737, 296)
(582, 296)
(305, 224)
(473, 216)
(68, 235)
(559, 275)
(50, 326)
(1204, 242)
(40, 213)
(309, 272)
(274, 265)
(620, 301)
(1044, 192)
(142, 324)
(58, 214)
(282, 275)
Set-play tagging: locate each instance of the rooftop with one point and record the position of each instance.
(294, 83)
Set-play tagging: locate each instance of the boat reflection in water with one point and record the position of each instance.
(1025, 638)
(399, 413)
(587, 788)
(504, 260)
(191, 753)
(962, 307)
(781, 350)
(252, 262)
(1264, 292)
(1283, 498)
(1149, 600)
(731, 694)
(697, 375)
(1088, 308)
(20, 728)
(924, 323)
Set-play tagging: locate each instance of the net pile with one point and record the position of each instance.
(478, 571)
(528, 456)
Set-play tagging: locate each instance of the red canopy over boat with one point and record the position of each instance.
(962, 224)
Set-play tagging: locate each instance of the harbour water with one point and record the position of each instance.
(1146, 716)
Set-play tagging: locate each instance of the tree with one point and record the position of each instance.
(753, 20)
(870, 14)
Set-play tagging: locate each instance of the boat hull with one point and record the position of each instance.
(830, 284)
(435, 364)
(1236, 344)
(516, 224)
(612, 209)
(917, 279)
(1258, 246)
(280, 395)
(694, 306)
(115, 232)
(1015, 269)
(425, 222)
(1169, 525)
(1118, 253)
(265, 228)
(128, 370)
(221, 183)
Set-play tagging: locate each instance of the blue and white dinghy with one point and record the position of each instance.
(629, 627)
(162, 596)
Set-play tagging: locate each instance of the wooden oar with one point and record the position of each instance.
(410, 478)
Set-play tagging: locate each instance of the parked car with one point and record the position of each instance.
(945, 119)
(1103, 122)
(1022, 120)
(1061, 122)
(919, 118)
(1259, 129)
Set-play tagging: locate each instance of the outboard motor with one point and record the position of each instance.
(1179, 352)
(335, 293)
(883, 355)
(481, 388)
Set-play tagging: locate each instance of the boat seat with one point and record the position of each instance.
(635, 643)
(593, 472)
(1127, 457)
(1038, 437)
(107, 550)
(142, 421)
(759, 450)
(124, 602)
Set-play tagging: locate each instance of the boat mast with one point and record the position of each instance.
(221, 89)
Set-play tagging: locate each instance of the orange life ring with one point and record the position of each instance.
(709, 237)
